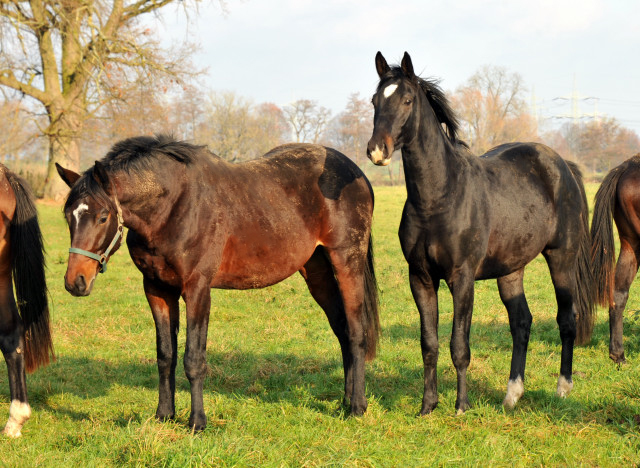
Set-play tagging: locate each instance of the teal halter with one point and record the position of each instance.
(103, 258)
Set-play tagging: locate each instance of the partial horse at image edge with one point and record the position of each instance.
(617, 199)
(25, 334)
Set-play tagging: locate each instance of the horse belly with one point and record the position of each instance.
(513, 245)
(257, 263)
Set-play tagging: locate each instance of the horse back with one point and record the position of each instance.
(627, 201)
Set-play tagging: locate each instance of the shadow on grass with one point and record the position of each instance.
(306, 382)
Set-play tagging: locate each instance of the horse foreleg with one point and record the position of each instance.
(12, 347)
(197, 297)
(163, 301)
(512, 295)
(425, 295)
(462, 291)
(626, 269)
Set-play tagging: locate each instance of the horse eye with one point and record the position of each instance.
(407, 102)
(103, 219)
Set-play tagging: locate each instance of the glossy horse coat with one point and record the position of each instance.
(468, 218)
(197, 222)
(25, 336)
(618, 198)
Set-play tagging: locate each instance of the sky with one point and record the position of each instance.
(280, 51)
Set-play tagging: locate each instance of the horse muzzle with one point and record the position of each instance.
(380, 153)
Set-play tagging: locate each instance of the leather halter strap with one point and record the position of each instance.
(103, 258)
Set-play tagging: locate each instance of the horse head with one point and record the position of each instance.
(393, 103)
(94, 217)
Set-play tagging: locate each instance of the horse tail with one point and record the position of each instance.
(370, 316)
(28, 268)
(583, 285)
(602, 241)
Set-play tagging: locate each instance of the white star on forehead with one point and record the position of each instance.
(79, 211)
(389, 90)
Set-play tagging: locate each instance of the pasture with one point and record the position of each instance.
(274, 386)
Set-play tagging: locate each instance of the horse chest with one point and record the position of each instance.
(155, 267)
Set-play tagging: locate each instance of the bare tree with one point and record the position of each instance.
(73, 56)
(237, 131)
(352, 128)
(492, 109)
(308, 120)
(15, 129)
(598, 145)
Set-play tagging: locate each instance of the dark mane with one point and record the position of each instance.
(438, 101)
(137, 156)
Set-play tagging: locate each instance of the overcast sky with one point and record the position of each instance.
(283, 50)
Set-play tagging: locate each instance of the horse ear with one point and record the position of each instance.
(407, 66)
(382, 67)
(101, 176)
(67, 175)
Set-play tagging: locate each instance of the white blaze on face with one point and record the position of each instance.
(389, 90)
(79, 211)
(19, 413)
(515, 389)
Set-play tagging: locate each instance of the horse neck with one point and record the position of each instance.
(142, 201)
(430, 161)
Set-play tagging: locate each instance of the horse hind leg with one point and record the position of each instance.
(561, 266)
(12, 347)
(512, 294)
(321, 281)
(626, 269)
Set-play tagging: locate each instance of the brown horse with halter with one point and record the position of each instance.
(617, 199)
(25, 336)
(198, 222)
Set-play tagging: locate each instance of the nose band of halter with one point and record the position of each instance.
(103, 258)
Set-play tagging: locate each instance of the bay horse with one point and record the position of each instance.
(25, 334)
(470, 218)
(618, 199)
(198, 222)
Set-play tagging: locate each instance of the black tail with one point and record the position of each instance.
(584, 287)
(27, 265)
(372, 321)
(602, 241)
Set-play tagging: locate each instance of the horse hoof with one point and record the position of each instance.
(515, 390)
(164, 417)
(197, 423)
(427, 408)
(564, 387)
(358, 410)
(462, 406)
(618, 358)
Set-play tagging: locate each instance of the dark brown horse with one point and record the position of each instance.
(618, 198)
(197, 222)
(25, 336)
(469, 218)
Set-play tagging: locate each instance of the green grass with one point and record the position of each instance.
(274, 384)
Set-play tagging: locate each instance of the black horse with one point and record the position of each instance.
(617, 199)
(25, 335)
(468, 218)
(198, 222)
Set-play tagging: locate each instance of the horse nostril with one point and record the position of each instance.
(80, 283)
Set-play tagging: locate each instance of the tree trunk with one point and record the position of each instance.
(63, 149)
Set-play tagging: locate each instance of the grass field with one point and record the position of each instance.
(274, 384)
